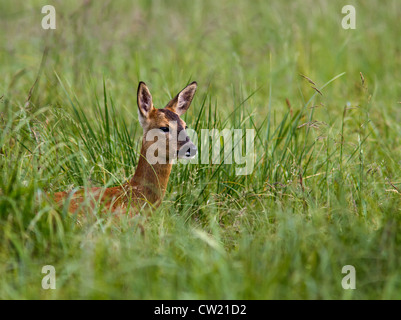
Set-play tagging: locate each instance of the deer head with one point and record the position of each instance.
(164, 132)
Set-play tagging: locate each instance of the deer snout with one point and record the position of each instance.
(187, 151)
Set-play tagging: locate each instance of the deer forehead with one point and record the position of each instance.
(167, 118)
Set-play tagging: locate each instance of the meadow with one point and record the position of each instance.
(325, 190)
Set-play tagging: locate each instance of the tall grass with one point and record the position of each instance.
(325, 190)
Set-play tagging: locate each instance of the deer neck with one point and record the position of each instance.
(151, 179)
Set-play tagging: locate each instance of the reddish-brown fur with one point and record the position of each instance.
(148, 185)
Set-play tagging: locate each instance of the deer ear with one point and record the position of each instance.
(182, 101)
(145, 103)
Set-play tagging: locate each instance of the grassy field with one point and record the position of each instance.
(325, 191)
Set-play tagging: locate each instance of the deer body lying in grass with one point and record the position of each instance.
(148, 185)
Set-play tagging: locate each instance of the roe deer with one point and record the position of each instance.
(148, 185)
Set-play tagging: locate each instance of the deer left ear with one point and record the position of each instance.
(182, 101)
(145, 103)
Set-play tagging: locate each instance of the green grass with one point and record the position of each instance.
(325, 191)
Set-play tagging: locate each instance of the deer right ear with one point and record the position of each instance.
(182, 101)
(145, 103)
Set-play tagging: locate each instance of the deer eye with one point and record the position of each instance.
(164, 129)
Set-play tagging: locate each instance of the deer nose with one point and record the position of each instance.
(189, 150)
